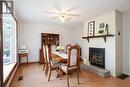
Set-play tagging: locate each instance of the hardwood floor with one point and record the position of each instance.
(33, 76)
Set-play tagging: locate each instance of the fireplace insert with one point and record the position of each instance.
(97, 57)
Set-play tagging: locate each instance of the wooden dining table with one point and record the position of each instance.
(60, 57)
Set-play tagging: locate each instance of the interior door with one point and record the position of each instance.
(1, 47)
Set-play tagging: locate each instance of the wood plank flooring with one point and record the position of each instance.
(34, 76)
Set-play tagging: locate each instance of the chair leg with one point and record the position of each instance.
(44, 65)
(79, 69)
(46, 70)
(60, 73)
(49, 74)
(78, 75)
(67, 79)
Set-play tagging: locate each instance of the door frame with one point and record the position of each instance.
(1, 46)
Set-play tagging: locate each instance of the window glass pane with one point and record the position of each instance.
(9, 51)
(9, 43)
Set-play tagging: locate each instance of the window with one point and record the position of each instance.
(9, 42)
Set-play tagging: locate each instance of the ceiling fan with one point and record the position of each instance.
(63, 15)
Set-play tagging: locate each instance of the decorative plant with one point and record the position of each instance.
(60, 48)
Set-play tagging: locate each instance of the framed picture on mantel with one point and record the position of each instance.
(91, 28)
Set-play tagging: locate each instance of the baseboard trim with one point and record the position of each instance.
(28, 63)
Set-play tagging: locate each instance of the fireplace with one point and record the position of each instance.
(97, 57)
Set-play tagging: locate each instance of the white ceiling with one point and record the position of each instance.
(36, 10)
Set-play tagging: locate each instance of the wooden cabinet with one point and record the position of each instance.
(48, 39)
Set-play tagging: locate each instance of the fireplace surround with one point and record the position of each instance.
(97, 57)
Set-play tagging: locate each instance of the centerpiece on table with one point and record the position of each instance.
(60, 48)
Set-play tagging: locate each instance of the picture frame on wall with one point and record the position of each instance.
(101, 30)
(91, 28)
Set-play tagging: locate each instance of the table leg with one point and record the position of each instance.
(27, 58)
(19, 59)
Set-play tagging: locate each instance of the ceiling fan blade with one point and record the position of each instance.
(69, 18)
(56, 17)
(72, 9)
(73, 15)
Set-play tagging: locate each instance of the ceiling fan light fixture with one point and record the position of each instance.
(64, 16)
(62, 19)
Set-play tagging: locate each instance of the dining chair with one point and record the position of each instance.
(51, 64)
(79, 54)
(53, 48)
(79, 47)
(67, 47)
(45, 66)
(72, 62)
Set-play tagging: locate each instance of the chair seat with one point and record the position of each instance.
(64, 68)
(54, 63)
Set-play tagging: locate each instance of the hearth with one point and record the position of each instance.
(97, 57)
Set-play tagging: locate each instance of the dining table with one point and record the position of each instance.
(60, 57)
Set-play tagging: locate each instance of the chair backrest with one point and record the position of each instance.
(53, 48)
(79, 48)
(47, 53)
(73, 56)
(67, 48)
(44, 53)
